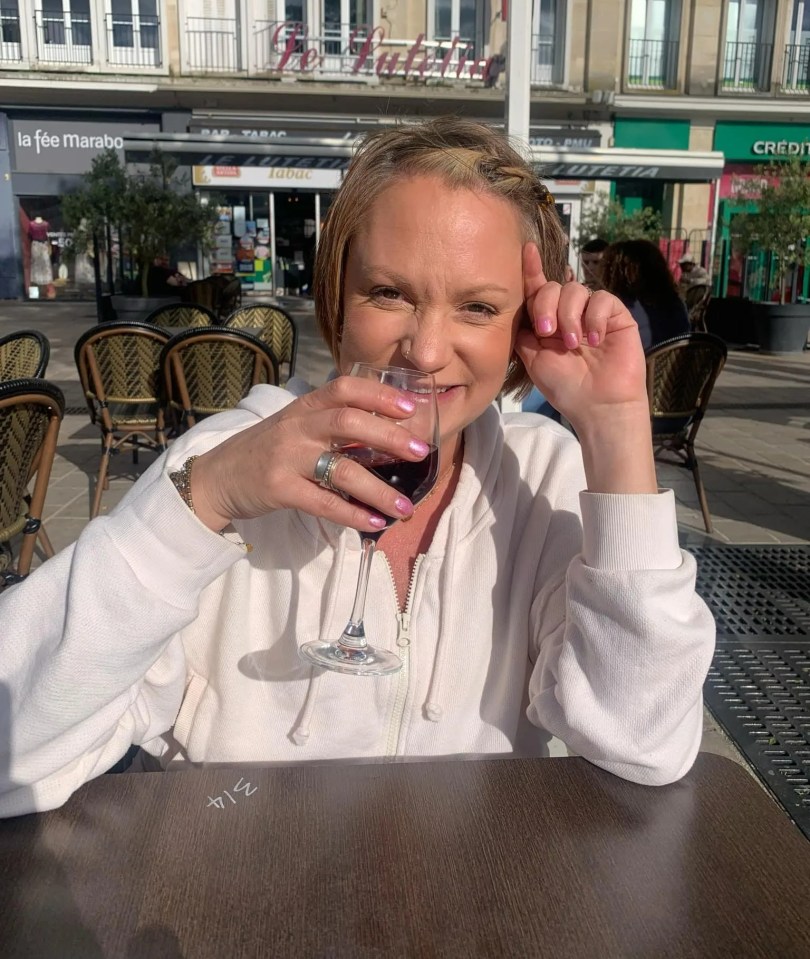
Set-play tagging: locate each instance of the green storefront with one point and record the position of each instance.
(746, 147)
(642, 133)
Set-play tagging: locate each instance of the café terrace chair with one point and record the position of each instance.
(31, 412)
(23, 354)
(118, 367)
(276, 329)
(181, 316)
(697, 305)
(681, 373)
(209, 371)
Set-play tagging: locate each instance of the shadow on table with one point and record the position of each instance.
(37, 902)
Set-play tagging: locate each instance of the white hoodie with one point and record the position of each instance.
(525, 620)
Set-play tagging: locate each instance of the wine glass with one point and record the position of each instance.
(351, 653)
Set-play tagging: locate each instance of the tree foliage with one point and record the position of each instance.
(154, 209)
(781, 223)
(607, 219)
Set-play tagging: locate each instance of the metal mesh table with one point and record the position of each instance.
(758, 687)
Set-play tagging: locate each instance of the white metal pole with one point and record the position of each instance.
(518, 94)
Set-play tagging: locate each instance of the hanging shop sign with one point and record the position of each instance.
(269, 178)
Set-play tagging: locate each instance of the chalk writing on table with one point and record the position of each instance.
(241, 786)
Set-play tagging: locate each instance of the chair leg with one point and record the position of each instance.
(45, 543)
(692, 463)
(101, 482)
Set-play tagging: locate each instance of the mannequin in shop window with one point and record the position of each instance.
(41, 267)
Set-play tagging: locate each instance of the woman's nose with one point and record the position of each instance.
(429, 346)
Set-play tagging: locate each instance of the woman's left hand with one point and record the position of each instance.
(582, 352)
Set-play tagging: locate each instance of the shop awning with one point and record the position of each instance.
(605, 163)
(558, 163)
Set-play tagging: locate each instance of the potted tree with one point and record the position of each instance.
(151, 212)
(774, 236)
(608, 220)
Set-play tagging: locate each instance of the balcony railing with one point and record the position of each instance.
(343, 51)
(10, 41)
(747, 67)
(132, 40)
(63, 37)
(652, 64)
(796, 71)
(212, 45)
(547, 65)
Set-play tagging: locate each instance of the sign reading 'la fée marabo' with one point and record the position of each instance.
(61, 146)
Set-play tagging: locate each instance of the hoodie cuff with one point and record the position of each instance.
(171, 552)
(630, 531)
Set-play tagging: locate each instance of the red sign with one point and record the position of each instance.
(290, 41)
(226, 171)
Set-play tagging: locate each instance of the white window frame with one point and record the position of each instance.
(558, 74)
(140, 55)
(766, 16)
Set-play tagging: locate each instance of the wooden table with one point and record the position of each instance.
(487, 858)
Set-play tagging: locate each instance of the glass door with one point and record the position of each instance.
(133, 33)
(10, 40)
(64, 32)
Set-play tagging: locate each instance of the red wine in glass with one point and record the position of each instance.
(414, 480)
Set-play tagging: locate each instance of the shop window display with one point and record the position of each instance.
(51, 268)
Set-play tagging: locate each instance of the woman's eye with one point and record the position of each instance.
(385, 293)
(480, 309)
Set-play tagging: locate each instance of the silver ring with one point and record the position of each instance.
(324, 468)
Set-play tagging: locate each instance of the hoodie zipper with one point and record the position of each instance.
(404, 653)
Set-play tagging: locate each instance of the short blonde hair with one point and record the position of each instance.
(467, 155)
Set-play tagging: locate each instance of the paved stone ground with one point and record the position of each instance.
(754, 445)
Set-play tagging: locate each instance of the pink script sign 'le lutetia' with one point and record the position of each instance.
(290, 44)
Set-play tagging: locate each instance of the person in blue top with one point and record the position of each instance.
(636, 272)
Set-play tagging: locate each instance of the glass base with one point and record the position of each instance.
(357, 662)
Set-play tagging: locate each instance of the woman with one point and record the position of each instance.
(525, 611)
(636, 272)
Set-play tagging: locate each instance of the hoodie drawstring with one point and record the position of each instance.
(300, 732)
(432, 708)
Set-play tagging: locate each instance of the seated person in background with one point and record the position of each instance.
(590, 256)
(636, 272)
(163, 279)
(540, 594)
(692, 275)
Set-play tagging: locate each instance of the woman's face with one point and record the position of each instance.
(436, 273)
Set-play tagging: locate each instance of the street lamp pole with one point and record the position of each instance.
(518, 14)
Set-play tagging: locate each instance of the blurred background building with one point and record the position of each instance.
(666, 104)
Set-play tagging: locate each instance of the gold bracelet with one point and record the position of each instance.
(182, 483)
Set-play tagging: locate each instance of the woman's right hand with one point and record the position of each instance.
(270, 466)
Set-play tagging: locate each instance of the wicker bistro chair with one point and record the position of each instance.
(208, 371)
(697, 303)
(31, 411)
(23, 354)
(278, 330)
(181, 316)
(118, 367)
(681, 374)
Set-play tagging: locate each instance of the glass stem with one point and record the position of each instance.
(354, 635)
